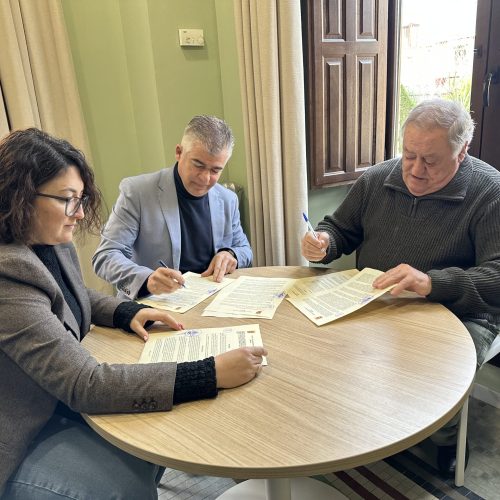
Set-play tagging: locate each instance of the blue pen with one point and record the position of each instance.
(162, 264)
(309, 225)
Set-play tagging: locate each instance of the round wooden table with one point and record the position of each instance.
(334, 397)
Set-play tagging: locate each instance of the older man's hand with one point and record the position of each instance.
(405, 277)
(314, 248)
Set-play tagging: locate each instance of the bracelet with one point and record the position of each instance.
(228, 250)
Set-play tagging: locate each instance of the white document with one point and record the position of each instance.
(199, 343)
(196, 290)
(326, 306)
(249, 297)
(316, 284)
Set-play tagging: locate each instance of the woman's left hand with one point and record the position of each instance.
(150, 314)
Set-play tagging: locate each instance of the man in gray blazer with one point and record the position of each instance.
(175, 220)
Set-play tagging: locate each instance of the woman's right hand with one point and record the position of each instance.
(239, 366)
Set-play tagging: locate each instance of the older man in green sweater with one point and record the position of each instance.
(431, 221)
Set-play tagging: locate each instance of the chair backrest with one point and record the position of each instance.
(237, 189)
(494, 349)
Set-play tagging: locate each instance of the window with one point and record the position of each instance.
(436, 54)
(368, 63)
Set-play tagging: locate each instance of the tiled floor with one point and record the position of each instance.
(482, 475)
(487, 387)
(177, 485)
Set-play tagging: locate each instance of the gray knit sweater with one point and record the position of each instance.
(453, 235)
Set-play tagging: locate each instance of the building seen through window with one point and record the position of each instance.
(436, 52)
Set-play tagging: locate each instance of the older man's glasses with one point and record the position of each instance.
(73, 203)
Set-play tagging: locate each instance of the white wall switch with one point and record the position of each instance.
(191, 37)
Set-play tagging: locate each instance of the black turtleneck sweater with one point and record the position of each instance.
(197, 245)
(49, 258)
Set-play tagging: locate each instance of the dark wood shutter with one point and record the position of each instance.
(346, 87)
(485, 93)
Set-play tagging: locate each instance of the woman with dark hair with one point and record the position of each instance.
(47, 193)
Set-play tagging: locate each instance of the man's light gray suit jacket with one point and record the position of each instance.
(144, 227)
(42, 360)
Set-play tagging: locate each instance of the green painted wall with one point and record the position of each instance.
(96, 38)
(324, 202)
(139, 88)
(231, 98)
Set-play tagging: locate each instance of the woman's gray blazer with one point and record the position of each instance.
(42, 360)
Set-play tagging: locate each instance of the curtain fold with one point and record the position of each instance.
(15, 69)
(269, 43)
(4, 122)
(36, 70)
(38, 86)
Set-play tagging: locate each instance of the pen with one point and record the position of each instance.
(162, 264)
(309, 225)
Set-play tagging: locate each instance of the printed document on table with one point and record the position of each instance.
(196, 290)
(324, 307)
(249, 297)
(316, 284)
(199, 343)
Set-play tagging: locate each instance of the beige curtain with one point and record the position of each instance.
(271, 72)
(38, 84)
(4, 123)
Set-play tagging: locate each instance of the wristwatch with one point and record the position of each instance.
(228, 250)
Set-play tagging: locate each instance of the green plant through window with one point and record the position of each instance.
(436, 53)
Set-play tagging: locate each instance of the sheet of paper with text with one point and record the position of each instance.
(317, 284)
(199, 343)
(329, 305)
(249, 297)
(197, 290)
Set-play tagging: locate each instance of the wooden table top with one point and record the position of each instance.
(333, 397)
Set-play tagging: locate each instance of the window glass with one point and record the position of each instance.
(436, 52)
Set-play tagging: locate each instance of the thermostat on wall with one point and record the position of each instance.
(191, 37)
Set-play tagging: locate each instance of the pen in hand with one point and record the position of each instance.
(162, 264)
(309, 225)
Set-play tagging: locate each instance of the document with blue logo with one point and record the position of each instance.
(199, 343)
(351, 295)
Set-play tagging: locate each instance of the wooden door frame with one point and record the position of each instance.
(481, 46)
(485, 144)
